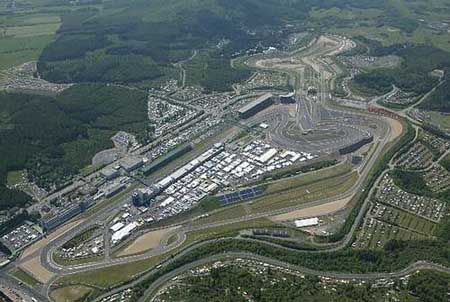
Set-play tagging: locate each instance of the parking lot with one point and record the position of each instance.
(418, 157)
(423, 206)
(21, 237)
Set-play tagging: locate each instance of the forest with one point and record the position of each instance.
(54, 137)
(439, 100)
(412, 76)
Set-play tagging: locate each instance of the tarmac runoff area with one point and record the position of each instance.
(146, 242)
(35, 268)
(30, 259)
(396, 128)
(320, 210)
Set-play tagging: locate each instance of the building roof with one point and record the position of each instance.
(131, 162)
(125, 231)
(267, 155)
(254, 103)
(307, 222)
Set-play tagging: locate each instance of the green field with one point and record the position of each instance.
(23, 36)
(24, 277)
(304, 193)
(438, 119)
(71, 293)
(14, 178)
(15, 51)
(410, 221)
(291, 191)
(379, 239)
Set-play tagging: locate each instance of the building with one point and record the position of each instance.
(189, 167)
(116, 227)
(159, 163)
(143, 196)
(114, 189)
(356, 159)
(287, 98)
(306, 222)
(267, 155)
(131, 163)
(123, 232)
(255, 106)
(109, 173)
(355, 146)
(52, 222)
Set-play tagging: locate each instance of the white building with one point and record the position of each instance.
(306, 222)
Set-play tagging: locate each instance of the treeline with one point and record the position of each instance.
(234, 283)
(412, 182)
(429, 286)
(73, 46)
(213, 72)
(135, 41)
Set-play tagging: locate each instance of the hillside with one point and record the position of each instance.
(129, 42)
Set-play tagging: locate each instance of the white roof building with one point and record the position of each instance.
(116, 227)
(167, 201)
(125, 231)
(267, 155)
(306, 222)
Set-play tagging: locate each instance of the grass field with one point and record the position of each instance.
(409, 221)
(18, 50)
(345, 13)
(298, 195)
(24, 277)
(382, 236)
(438, 119)
(23, 36)
(290, 192)
(14, 177)
(70, 293)
(77, 261)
